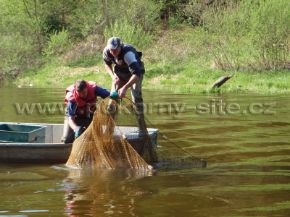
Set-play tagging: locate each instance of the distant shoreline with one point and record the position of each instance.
(187, 80)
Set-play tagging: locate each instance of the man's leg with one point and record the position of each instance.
(123, 75)
(136, 93)
(84, 122)
(112, 108)
(68, 135)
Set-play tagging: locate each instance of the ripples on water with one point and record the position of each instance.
(248, 172)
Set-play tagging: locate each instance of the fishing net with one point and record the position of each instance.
(171, 155)
(105, 144)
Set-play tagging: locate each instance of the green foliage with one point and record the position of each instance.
(56, 75)
(141, 12)
(18, 51)
(249, 34)
(239, 35)
(55, 14)
(129, 33)
(86, 19)
(270, 30)
(58, 43)
(86, 61)
(192, 12)
(136, 24)
(33, 31)
(177, 48)
(93, 16)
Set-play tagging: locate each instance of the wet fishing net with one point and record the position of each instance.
(173, 157)
(113, 143)
(171, 154)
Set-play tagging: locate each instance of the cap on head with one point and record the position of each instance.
(113, 43)
(80, 85)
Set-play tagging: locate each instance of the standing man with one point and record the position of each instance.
(124, 65)
(80, 99)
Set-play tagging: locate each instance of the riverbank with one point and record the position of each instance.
(178, 79)
(172, 63)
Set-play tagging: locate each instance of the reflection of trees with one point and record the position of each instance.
(99, 193)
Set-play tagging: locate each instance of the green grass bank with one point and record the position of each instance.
(178, 60)
(187, 79)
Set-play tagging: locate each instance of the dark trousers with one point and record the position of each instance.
(68, 133)
(136, 89)
(136, 94)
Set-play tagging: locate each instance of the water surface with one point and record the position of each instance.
(247, 149)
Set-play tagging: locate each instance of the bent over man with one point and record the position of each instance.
(80, 100)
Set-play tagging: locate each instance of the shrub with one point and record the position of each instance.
(270, 32)
(129, 33)
(58, 43)
(249, 34)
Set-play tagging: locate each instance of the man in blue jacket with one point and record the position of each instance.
(123, 63)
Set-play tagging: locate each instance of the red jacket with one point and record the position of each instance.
(73, 96)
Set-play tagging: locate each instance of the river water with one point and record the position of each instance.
(244, 138)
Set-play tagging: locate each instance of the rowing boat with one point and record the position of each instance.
(44, 144)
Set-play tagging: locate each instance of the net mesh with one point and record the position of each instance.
(106, 145)
(171, 155)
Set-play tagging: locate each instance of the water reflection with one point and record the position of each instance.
(102, 192)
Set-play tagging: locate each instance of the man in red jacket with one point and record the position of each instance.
(80, 100)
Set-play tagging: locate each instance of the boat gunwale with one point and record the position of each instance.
(35, 145)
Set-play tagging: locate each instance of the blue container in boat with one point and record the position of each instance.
(22, 133)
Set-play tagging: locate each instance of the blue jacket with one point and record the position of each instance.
(129, 58)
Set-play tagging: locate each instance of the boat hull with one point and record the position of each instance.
(34, 152)
(54, 151)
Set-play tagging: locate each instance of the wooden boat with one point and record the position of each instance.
(45, 146)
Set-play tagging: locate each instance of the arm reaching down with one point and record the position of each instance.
(132, 80)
